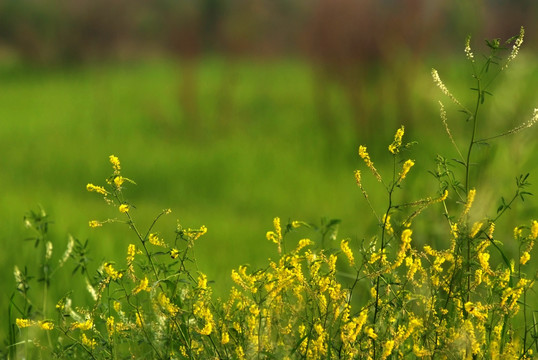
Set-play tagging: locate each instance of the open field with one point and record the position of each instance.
(254, 148)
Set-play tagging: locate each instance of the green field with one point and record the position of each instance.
(256, 147)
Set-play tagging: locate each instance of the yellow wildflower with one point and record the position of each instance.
(524, 258)
(91, 343)
(517, 232)
(357, 174)
(370, 332)
(387, 349)
(275, 236)
(46, 325)
(131, 252)
(95, 223)
(139, 320)
(344, 245)
(397, 143)
(202, 282)
(405, 169)
(386, 224)
(174, 253)
(302, 244)
(475, 229)
(99, 189)
(443, 197)
(406, 236)
(118, 181)
(483, 258)
(225, 338)
(115, 164)
(363, 153)
(124, 208)
(110, 325)
(165, 303)
(23, 323)
(155, 240)
(111, 272)
(117, 306)
(469, 203)
(534, 230)
(86, 325)
(143, 286)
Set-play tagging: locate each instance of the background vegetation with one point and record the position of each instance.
(230, 130)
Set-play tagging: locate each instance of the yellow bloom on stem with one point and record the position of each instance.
(115, 164)
(119, 180)
(124, 208)
(23, 323)
(98, 189)
(202, 282)
(344, 245)
(46, 325)
(91, 343)
(131, 252)
(86, 325)
(225, 339)
(110, 325)
(143, 286)
(534, 230)
(363, 153)
(397, 143)
(475, 229)
(174, 253)
(405, 169)
(470, 199)
(155, 240)
(275, 236)
(525, 257)
(111, 272)
(386, 224)
(95, 223)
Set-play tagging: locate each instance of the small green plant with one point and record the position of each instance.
(385, 298)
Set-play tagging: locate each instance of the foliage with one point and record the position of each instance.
(469, 300)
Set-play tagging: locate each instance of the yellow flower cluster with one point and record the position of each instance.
(394, 148)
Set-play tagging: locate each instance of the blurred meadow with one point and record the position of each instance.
(233, 112)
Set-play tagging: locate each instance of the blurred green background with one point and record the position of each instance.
(233, 112)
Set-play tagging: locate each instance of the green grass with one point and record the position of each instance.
(256, 150)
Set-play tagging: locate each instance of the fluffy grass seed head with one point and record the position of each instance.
(468, 52)
(515, 47)
(439, 83)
